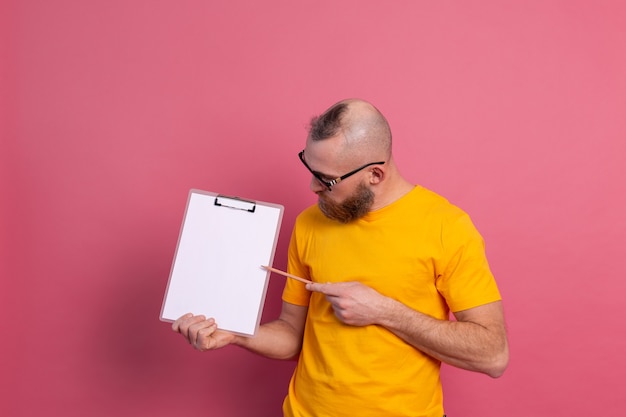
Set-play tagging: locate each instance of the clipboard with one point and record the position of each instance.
(216, 269)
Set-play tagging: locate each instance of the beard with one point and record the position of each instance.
(352, 208)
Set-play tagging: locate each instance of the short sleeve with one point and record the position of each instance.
(464, 278)
(294, 291)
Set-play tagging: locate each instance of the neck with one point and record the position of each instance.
(391, 189)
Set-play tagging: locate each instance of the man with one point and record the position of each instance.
(389, 261)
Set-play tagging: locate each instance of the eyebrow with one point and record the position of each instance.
(321, 174)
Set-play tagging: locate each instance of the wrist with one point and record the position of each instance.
(389, 312)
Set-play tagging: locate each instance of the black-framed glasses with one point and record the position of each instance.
(331, 183)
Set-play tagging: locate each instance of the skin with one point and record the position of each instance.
(476, 341)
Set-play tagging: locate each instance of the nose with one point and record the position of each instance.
(317, 186)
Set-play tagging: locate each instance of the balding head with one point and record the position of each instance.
(364, 130)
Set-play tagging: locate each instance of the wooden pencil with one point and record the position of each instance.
(278, 271)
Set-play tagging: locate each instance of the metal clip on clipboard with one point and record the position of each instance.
(235, 203)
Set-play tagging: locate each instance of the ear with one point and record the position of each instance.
(377, 175)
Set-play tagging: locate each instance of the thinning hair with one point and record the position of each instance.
(363, 126)
(329, 123)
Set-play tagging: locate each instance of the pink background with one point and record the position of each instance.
(112, 110)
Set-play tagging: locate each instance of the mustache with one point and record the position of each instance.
(348, 210)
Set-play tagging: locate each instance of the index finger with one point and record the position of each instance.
(326, 289)
(185, 319)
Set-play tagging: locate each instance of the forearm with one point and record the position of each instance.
(276, 340)
(480, 347)
(476, 341)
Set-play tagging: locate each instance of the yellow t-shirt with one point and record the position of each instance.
(421, 251)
